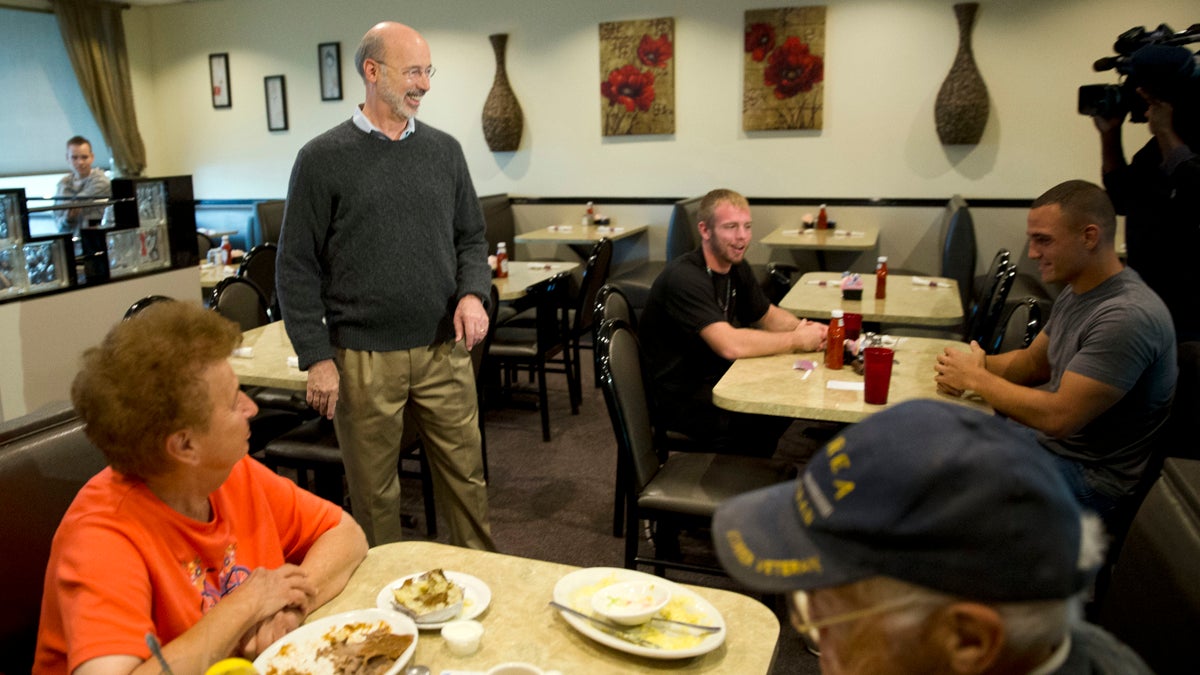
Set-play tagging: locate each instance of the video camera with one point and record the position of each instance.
(1152, 60)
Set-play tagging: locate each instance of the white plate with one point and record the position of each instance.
(476, 597)
(576, 589)
(307, 639)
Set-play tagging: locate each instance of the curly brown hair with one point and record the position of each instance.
(145, 381)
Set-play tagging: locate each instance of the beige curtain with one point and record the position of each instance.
(95, 39)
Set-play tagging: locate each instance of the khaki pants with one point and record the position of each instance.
(437, 385)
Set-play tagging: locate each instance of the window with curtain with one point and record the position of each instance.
(43, 105)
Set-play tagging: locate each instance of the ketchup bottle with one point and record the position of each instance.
(881, 278)
(501, 261)
(835, 341)
(822, 219)
(228, 250)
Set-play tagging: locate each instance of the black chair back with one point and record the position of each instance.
(959, 251)
(682, 236)
(1022, 321)
(204, 244)
(625, 395)
(986, 317)
(498, 221)
(981, 297)
(269, 215)
(241, 302)
(145, 302)
(611, 303)
(595, 275)
(258, 267)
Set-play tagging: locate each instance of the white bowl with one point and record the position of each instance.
(463, 637)
(630, 603)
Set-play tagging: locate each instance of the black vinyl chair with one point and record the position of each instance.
(979, 299)
(959, 250)
(582, 315)
(204, 244)
(1021, 323)
(612, 305)
(681, 489)
(1152, 600)
(986, 320)
(312, 448)
(240, 301)
(258, 267)
(681, 238)
(517, 348)
(269, 215)
(145, 302)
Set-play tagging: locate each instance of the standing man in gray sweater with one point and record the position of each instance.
(382, 275)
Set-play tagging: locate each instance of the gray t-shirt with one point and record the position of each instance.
(1119, 333)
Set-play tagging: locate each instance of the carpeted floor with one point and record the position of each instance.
(554, 501)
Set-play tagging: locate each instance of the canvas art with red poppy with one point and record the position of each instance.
(637, 77)
(784, 61)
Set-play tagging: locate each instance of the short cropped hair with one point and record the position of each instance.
(145, 381)
(372, 47)
(78, 140)
(710, 202)
(1083, 203)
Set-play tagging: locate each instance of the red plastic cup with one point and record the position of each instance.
(853, 324)
(877, 374)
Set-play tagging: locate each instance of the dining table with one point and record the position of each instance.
(523, 274)
(579, 238)
(520, 626)
(799, 385)
(913, 301)
(847, 239)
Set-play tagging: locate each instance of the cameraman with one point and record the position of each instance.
(1159, 191)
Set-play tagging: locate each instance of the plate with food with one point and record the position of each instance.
(437, 597)
(369, 641)
(656, 638)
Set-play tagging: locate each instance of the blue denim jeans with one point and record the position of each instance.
(1085, 493)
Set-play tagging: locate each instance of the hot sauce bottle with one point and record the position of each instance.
(835, 341)
(822, 219)
(881, 278)
(501, 261)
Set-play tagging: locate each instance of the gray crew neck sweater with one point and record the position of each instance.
(380, 239)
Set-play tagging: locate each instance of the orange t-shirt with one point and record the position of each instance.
(124, 564)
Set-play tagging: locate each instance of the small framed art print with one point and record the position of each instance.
(276, 92)
(329, 60)
(218, 72)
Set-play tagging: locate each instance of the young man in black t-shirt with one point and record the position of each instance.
(704, 311)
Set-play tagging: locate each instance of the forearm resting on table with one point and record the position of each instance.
(737, 343)
(1058, 414)
(333, 557)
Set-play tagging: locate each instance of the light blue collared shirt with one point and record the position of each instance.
(360, 120)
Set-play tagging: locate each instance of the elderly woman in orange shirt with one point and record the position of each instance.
(182, 537)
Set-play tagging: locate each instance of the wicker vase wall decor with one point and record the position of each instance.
(503, 120)
(961, 112)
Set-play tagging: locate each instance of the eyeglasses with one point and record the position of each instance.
(413, 72)
(803, 623)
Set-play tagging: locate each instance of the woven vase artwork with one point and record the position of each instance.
(962, 102)
(503, 120)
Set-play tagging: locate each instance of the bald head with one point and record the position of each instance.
(383, 38)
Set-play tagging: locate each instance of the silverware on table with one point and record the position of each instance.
(606, 627)
(621, 629)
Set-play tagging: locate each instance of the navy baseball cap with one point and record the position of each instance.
(927, 492)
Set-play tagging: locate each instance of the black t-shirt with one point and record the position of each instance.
(685, 298)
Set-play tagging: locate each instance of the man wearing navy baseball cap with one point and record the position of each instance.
(929, 538)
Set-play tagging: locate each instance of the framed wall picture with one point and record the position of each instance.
(276, 92)
(218, 72)
(329, 62)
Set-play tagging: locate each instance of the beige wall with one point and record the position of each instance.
(42, 338)
(885, 63)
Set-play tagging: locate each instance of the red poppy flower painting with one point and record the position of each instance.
(654, 53)
(760, 40)
(793, 69)
(630, 87)
(784, 69)
(637, 77)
